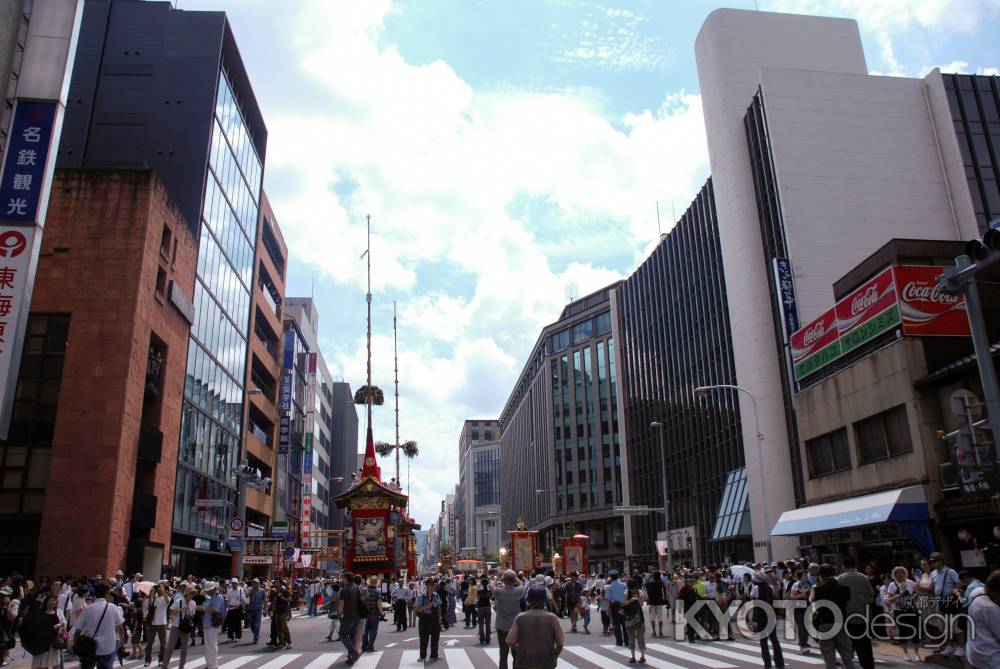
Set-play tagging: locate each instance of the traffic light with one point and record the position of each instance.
(981, 249)
(690, 543)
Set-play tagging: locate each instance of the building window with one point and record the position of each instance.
(602, 323)
(883, 436)
(582, 331)
(486, 477)
(828, 453)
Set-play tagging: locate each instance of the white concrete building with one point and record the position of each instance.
(817, 161)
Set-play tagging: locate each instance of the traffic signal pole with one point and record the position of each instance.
(962, 279)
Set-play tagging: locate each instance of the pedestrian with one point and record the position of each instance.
(181, 624)
(255, 608)
(584, 610)
(484, 597)
(448, 602)
(944, 581)
(902, 603)
(349, 606)
(359, 631)
(134, 621)
(571, 596)
(373, 600)
(98, 631)
(536, 635)
(411, 615)
(400, 599)
(615, 592)
(215, 614)
(858, 611)
(471, 597)
(762, 619)
(982, 649)
(507, 604)
(155, 615)
(830, 595)
(656, 601)
(235, 596)
(799, 593)
(427, 607)
(688, 596)
(331, 599)
(634, 623)
(41, 632)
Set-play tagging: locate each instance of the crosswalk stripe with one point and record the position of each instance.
(797, 655)
(494, 654)
(654, 662)
(238, 661)
(691, 657)
(410, 659)
(367, 661)
(722, 652)
(280, 661)
(458, 659)
(324, 661)
(193, 664)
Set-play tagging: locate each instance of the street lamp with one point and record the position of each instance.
(657, 425)
(703, 391)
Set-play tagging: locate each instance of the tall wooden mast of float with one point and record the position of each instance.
(370, 467)
(395, 359)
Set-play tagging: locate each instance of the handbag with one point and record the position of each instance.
(185, 625)
(85, 645)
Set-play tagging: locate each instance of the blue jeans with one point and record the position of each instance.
(100, 662)
(483, 614)
(253, 617)
(779, 660)
(371, 631)
(347, 630)
(618, 624)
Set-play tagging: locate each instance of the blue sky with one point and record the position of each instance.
(511, 155)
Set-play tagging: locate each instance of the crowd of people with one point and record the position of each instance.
(100, 620)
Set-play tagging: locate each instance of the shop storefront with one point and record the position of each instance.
(890, 528)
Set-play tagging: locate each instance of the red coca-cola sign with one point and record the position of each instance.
(925, 310)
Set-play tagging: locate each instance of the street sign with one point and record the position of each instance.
(234, 543)
(289, 552)
(236, 524)
(210, 503)
(632, 510)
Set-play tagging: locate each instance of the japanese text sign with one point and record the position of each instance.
(785, 289)
(21, 181)
(16, 254)
(284, 431)
(815, 345)
(868, 311)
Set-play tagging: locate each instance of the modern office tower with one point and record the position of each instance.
(674, 336)
(343, 444)
(479, 487)
(817, 163)
(166, 89)
(264, 371)
(560, 445)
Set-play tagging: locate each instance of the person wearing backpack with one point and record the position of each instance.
(901, 602)
(763, 592)
(181, 616)
(99, 630)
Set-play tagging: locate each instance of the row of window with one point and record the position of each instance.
(228, 114)
(486, 477)
(596, 326)
(231, 237)
(879, 437)
(222, 281)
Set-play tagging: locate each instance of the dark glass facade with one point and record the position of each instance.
(975, 110)
(560, 442)
(675, 336)
(486, 477)
(772, 233)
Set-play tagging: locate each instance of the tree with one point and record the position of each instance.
(445, 549)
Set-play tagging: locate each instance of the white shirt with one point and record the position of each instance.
(234, 597)
(177, 609)
(76, 607)
(107, 640)
(159, 604)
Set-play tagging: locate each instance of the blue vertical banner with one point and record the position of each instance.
(284, 432)
(23, 176)
(289, 358)
(785, 290)
(286, 390)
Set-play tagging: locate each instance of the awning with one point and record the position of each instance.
(905, 505)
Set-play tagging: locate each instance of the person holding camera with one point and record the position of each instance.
(181, 616)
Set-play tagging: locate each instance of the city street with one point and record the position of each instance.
(460, 650)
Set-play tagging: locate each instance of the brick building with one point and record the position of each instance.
(93, 441)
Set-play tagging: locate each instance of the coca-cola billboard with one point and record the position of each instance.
(925, 310)
(868, 311)
(815, 345)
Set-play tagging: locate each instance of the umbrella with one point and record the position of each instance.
(737, 570)
(145, 587)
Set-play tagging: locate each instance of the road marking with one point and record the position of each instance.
(280, 661)
(691, 657)
(323, 661)
(654, 662)
(410, 659)
(367, 661)
(239, 661)
(413, 639)
(494, 654)
(805, 659)
(458, 659)
(451, 642)
(391, 645)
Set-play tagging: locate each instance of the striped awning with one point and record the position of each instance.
(893, 506)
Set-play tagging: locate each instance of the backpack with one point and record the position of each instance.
(37, 634)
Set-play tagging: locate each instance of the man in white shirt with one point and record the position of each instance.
(235, 597)
(107, 632)
(132, 587)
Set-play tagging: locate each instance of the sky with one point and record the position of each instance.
(512, 156)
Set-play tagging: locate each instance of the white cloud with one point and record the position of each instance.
(438, 164)
(613, 39)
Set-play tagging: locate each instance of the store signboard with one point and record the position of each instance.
(868, 311)
(925, 310)
(816, 345)
(785, 288)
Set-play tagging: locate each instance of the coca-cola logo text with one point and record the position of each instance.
(861, 302)
(917, 291)
(814, 334)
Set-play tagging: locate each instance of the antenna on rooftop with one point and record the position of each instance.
(659, 228)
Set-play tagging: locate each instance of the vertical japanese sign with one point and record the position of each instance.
(24, 187)
(785, 290)
(284, 432)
